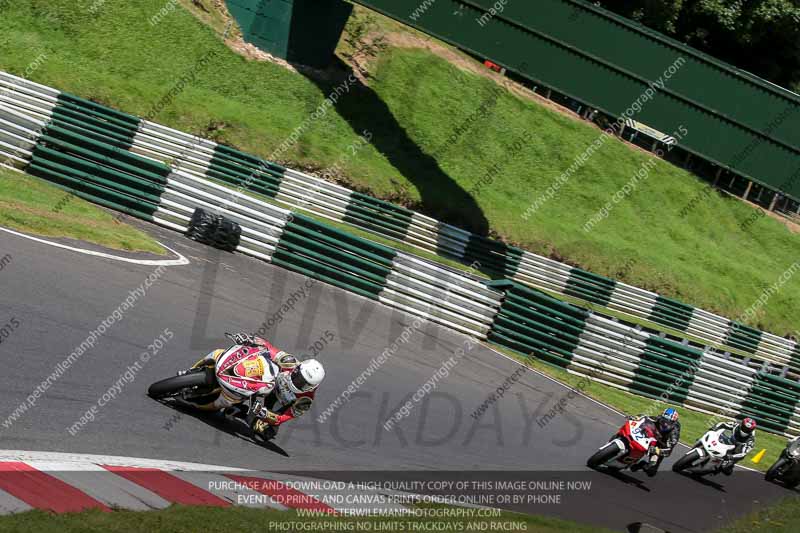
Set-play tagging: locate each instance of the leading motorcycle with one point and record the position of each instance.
(199, 385)
(787, 468)
(707, 455)
(631, 445)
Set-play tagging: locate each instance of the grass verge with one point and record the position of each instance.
(693, 423)
(783, 517)
(181, 519)
(437, 133)
(34, 206)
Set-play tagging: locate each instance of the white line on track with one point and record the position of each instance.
(554, 380)
(181, 260)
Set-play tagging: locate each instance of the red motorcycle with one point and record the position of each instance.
(632, 444)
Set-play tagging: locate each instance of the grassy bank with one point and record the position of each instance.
(781, 518)
(436, 133)
(180, 519)
(693, 423)
(34, 206)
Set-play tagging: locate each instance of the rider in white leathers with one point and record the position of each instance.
(280, 386)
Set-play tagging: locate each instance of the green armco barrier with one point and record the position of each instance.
(93, 193)
(346, 268)
(536, 341)
(365, 218)
(743, 337)
(287, 261)
(541, 315)
(534, 323)
(382, 217)
(652, 385)
(501, 337)
(99, 108)
(588, 286)
(495, 256)
(666, 368)
(538, 296)
(533, 311)
(396, 211)
(110, 153)
(86, 130)
(250, 183)
(344, 260)
(73, 107)
(332, 275)
(113, 178)
(133, 197)
(772, 401)
(241, 167)
(76, 111)
(369, 246)
(293, 227)
(228, 153)
(671, 313)
(796, 357)
(79, 121)
(327, 253)
(67, 147)
(549, 336)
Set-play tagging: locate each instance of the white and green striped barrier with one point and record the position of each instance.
(209, 160)
(117, 160)
(596, 347)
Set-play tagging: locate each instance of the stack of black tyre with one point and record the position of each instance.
(214, 230)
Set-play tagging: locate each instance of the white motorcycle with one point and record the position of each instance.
(707, 455)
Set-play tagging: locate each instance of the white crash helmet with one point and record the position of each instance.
(307, 376)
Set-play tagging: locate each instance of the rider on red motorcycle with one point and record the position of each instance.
(278, 386)
(668, 434)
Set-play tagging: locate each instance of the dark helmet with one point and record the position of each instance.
(745, 429)
(666, 422)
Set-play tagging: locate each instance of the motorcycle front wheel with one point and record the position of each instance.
(686, 461)
(775, 470)
(176, 384)
(602, 456)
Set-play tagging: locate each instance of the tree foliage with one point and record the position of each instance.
(760, 36)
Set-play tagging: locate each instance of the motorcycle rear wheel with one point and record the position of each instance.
(602, 456)
(176, 384)
(686, 461)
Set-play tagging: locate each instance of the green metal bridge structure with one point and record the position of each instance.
(736, 121)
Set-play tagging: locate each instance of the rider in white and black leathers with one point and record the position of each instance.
(744, 437)
(254, 373)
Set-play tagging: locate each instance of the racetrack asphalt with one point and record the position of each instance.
(58, 296)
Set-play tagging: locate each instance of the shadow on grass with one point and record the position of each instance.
(364, 110)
